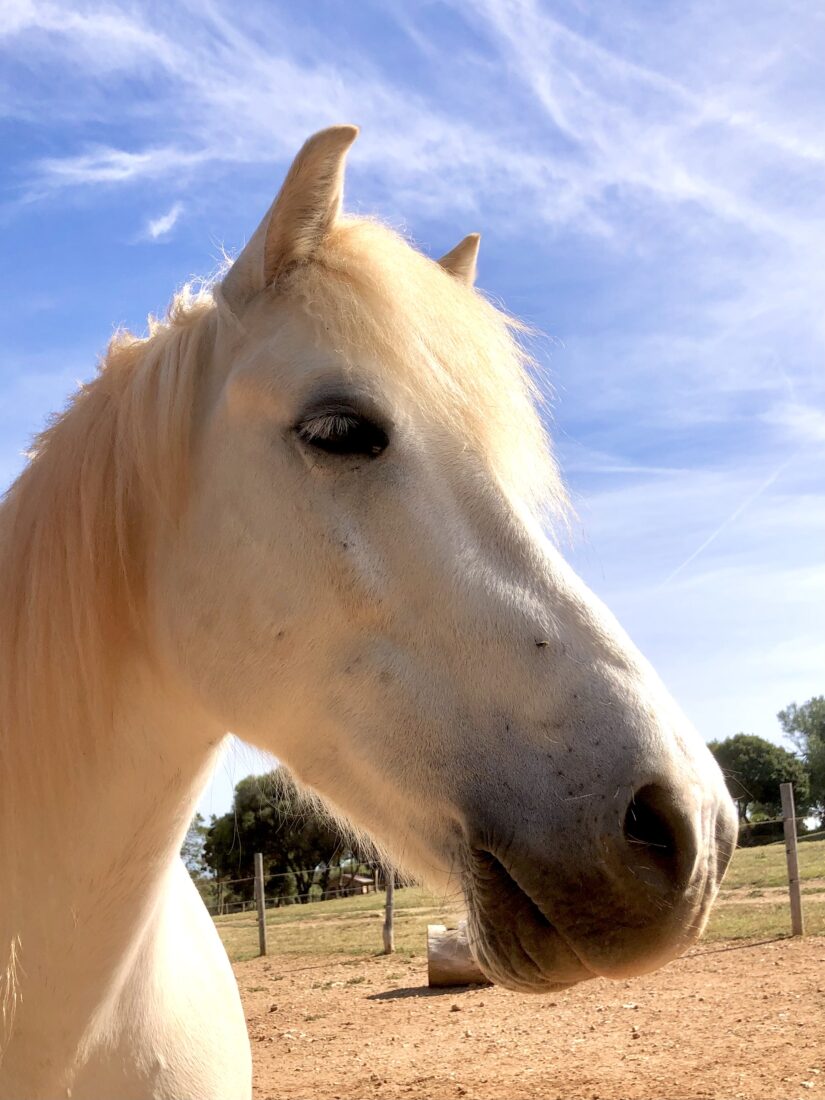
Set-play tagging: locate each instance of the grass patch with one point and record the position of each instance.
(765, 866)
(343, 926)
(747, 921)
(352, 926)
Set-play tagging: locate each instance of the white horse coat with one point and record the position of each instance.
(309, 508)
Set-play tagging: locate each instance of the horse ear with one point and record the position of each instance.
(461, 261)
(303, 212)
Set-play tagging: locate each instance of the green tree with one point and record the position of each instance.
(754, 768)
(192, 853)
(302, 847)
(192, 848)
(805, 726)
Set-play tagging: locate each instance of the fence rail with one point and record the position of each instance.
(346, 883)
(325, 883)
(259, 904)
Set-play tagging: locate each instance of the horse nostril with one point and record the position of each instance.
(660, 838)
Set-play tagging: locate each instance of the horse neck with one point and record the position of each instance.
(93, 853)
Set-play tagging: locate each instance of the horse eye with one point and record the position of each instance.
(343, 432)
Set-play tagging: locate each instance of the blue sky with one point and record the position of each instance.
(649, 180)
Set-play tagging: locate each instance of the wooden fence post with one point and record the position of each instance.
(789, 825)
(389, 938)
(260, 899)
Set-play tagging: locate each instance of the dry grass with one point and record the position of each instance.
(765, 866)
(759, 920)
(753, 905)
(348, 926)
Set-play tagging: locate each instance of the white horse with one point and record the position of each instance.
(309, 508)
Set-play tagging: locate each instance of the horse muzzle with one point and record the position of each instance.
(613, 897)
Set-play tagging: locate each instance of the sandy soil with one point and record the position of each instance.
(736, 1022)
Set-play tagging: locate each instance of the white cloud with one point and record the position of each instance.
(227, 95)
(161, 226)
(804, 423)
(230, 94)
(104, 36)
(107, 165)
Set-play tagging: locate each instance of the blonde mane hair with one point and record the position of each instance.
(75, 529)
(76, 526)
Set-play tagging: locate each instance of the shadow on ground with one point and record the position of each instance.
(421, 991)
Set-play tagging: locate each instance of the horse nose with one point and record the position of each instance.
(632, 893)
(662, 838)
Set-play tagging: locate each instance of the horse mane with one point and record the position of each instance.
(76, 526)
(75, 529)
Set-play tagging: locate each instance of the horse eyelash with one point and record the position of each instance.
(326, 425)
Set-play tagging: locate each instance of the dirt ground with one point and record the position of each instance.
(736, 1022)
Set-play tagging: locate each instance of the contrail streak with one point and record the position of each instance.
(735, 514)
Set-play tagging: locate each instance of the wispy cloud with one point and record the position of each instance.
(727, 521)
(227, 95)
(104, 34)
(738, 634)
(163, 225)
(106, 165)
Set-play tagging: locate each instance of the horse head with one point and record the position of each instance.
(362, 582)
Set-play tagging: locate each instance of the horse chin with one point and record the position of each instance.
(513, 941)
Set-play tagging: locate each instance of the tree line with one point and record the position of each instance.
(754, 767)
(308, 857)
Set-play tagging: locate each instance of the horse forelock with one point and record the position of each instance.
(451, 351)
